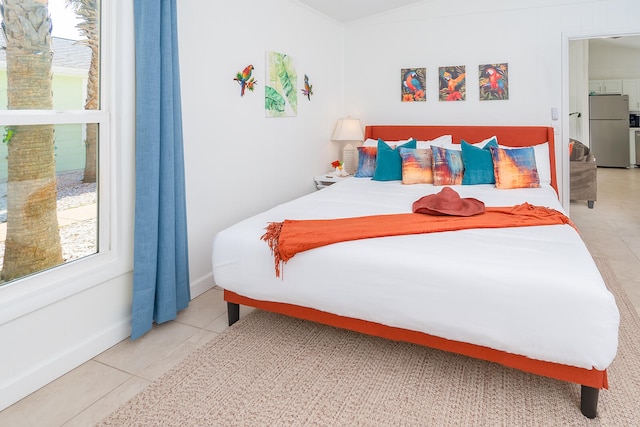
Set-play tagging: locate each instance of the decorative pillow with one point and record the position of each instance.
(389, 162)
(439, 141)
(515, 168)
(447, 166)
(543, 164)
(478, 164)
(366, 162)
(416, 165)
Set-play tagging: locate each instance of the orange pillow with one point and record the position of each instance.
(416, 165)
(515, 167)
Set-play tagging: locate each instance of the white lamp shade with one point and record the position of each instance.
(348, 130)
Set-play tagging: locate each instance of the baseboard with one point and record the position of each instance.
(59, 364)
(202, 285)
(56, 365)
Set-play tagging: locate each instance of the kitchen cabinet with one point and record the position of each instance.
(631, 87)
(605, 86)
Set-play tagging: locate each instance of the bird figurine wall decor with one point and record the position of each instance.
(245, 80)
(413, 84)
(308, 88)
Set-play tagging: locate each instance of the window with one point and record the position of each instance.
(52, 124)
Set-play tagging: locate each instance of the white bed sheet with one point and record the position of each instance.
(533, 291)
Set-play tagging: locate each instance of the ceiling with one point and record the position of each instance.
(351, 10)
(624, 41)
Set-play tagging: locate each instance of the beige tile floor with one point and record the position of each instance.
(90, 392)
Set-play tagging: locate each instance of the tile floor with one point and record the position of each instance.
(90, 392)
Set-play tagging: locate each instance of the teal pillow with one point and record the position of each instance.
(389, 161)
(478, 164)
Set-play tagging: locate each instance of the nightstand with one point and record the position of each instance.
(326, 180)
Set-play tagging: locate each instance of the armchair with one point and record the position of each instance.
(583, 173)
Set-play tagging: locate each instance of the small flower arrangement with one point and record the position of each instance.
(339, 168)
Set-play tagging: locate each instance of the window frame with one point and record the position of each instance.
(115, 175)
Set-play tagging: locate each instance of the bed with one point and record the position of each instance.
(529, 298)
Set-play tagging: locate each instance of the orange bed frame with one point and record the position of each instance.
(516, 136)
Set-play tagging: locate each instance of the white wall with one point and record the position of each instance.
(238, 162)
(526, 35)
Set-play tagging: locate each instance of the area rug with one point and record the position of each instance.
(272, 370)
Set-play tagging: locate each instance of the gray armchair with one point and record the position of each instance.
(583, 174)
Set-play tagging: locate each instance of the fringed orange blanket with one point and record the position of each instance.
(287, 238)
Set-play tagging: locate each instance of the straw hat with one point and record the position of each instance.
(448, 202)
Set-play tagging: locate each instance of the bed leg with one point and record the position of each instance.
(233, 312)
(589, 401)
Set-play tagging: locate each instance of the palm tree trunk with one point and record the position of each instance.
(93, 84)
(87, 11)
(33, 237)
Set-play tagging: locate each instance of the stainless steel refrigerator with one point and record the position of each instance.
(609, 129)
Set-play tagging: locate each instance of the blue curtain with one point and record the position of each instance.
(161, 267)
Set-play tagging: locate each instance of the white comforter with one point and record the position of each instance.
(533, 291)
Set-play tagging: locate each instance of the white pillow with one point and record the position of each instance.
(543, 164)
(374, 142)
(482, 143)
(370, 143)
(451, 146)
(440, 141)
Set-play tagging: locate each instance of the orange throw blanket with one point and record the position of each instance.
(287, 238)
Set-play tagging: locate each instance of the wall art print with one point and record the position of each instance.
(494, 81)
(452, 83)
(413, 84)
(280, 91)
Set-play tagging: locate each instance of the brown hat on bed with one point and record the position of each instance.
(448, 202)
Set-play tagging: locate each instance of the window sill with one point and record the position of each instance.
(32, 293)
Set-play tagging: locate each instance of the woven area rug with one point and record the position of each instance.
(271, 370)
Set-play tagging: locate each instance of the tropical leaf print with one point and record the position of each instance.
(273, 101)
(282, 78)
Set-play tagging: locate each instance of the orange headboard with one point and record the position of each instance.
(512, 136)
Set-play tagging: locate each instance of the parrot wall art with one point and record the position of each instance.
(452, 83)
(493, 82)
(308, 88)
(245, 80)
(413, 84)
